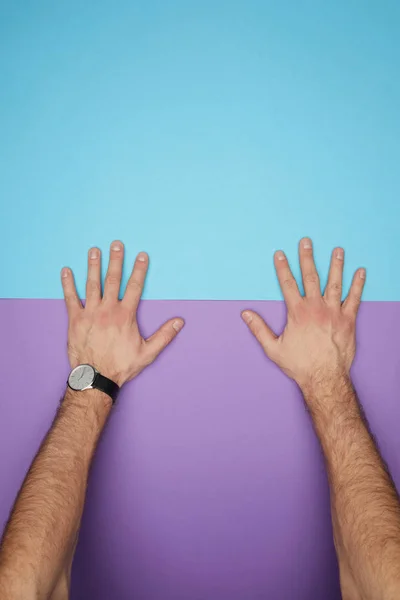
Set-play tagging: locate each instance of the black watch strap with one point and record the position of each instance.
(106, 385)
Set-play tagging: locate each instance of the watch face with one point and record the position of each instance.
(81, 377)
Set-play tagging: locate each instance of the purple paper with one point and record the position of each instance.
(208, 483)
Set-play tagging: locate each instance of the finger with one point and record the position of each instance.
(286, 279)
(112, 282)
(258, 327)
(309, 273)
(161, 338)
(70, 294)
(353, 300)
(333, 291)
(93, 282)
(134, 287)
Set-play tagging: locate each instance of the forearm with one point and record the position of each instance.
(42, 529)
(365, 504)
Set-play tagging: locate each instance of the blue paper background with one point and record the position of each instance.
(208, 133)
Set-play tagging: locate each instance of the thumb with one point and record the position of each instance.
(162, 337)
(258, 327)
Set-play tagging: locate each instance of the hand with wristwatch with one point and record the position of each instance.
(105, 346)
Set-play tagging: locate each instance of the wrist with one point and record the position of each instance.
(93, 402)
(327, 391)
(326, 376)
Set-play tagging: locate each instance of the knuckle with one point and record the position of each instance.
(348, 325)
(103, 317)
(311, 278)
(166, 337)
(74, 326)
(93, 286)
(256, 329)
(112, 279)
(69, 297)
(289, 282)
(124, 315)
(298, 308)
(335, 289)
(134, 285)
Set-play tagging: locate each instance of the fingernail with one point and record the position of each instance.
(280, 255)
(362, 274)
(307, 244)
(247, 317)
(339, 253)
(116, 246)
(177, 325)
(142, 256)
(94, 253)
(64, 273)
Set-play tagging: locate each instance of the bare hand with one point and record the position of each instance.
(319, 337)
(105, 332)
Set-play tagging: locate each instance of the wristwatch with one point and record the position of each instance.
(85, 377)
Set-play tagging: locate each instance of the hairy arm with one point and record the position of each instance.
(364, 501)
(316, 349)
(39, 540)
(44, 523)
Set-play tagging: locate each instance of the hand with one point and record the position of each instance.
(105, 332)
(319, 337)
